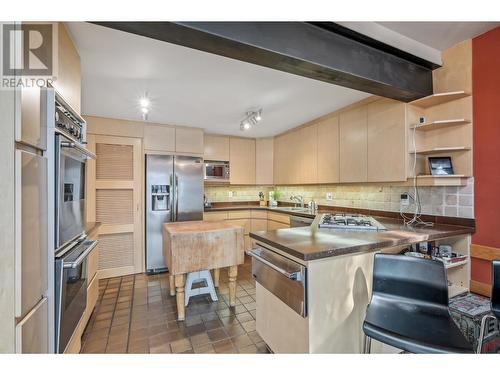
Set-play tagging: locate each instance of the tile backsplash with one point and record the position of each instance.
(455, 201)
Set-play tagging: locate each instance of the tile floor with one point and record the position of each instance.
(136, 314)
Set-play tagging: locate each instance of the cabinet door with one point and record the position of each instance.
(32, 331)
(242, 161)
(306, 146)
(353, 145)
(216, 147)
(386, 141)
(189, 141)
(264, 153)
(328, 150)
(159, 138)
(278, 160)
(31, 231)
(29, 130)
(114, 198)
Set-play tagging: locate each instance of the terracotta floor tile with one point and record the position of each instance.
(217, 334)
(136, 314)
(180, 346)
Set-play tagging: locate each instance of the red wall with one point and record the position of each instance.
(486, 120)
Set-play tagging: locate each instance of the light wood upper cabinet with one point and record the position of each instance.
(387, 155)
(216, 147)
(159, 138)
(328, 150)
(353, 145)
(242, 161)
(69, 77)
(264, 151)
(306, 151)
(189, 140)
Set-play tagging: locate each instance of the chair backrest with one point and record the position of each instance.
(495, 290)
(408, 277)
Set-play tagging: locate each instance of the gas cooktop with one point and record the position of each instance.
(350, 222)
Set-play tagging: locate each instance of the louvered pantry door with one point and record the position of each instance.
(114, 191)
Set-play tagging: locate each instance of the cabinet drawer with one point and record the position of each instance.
(281, 218)
(32, 331)
(92, 262)
(244, 214)
(245, 223)
(273, 225)
(214, 216)
(258, 214)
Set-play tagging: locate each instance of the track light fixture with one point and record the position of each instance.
(251, 118)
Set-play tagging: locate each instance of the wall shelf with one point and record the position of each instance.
(455, 290)
(440, 124)
(428, 180)
(440, 150)
(436, 99)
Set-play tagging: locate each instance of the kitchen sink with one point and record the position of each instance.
(294, 209)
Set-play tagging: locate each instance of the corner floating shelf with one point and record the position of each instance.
(440, 124)
(457, 264)
(439, 150)
(436, 99)
(428, 180)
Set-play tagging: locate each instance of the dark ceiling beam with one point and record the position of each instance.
(305, 49)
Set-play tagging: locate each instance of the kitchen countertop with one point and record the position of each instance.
(310, 243)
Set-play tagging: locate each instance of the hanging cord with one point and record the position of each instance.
(415, 219)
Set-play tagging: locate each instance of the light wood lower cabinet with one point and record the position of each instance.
(32, 331)
(251, 221)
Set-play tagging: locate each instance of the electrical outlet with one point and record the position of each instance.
(329, 196)
(405, 200)
(230, 194)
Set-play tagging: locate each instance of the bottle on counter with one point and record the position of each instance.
(313, 206)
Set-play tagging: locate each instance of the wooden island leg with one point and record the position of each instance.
(233, 273)
(216, 277)
(179, 289)
(171, 282)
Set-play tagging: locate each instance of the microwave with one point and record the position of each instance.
(217, 171)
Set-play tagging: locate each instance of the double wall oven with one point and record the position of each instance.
(71, 244)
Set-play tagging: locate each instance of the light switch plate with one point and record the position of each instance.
(329, 196)
(230, 194)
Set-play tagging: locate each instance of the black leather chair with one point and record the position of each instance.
(495, 304)
(409, 307)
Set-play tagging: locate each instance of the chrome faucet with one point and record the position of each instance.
(299, 200)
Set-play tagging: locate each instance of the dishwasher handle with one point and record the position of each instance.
(290, 275)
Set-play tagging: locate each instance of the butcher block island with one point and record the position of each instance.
(194, 246)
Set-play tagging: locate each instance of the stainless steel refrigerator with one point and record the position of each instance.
(174, 192)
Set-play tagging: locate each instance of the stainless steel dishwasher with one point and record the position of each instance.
(281, 276)
(299, 221)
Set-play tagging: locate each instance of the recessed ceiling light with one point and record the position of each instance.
(144, 102)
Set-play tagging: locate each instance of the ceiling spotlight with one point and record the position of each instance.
(251, 118)
(144, 110)
(144, 102)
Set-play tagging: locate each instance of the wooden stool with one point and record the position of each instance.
(195, 277)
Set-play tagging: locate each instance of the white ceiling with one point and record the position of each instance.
(193, 88)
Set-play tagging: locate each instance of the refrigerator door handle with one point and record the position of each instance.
(176, 196)
(172, 194)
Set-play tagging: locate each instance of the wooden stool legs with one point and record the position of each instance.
(216, 277)
(233, 273)
(171, 283)
(179, 289)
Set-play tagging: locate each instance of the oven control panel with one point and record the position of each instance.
(68, 124)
